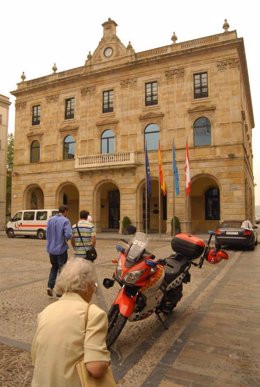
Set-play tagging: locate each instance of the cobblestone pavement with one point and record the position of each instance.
(213, 335)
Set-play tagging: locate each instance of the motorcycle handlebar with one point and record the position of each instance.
(123, 240)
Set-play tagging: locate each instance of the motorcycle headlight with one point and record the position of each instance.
(133, 276)
(119, 269)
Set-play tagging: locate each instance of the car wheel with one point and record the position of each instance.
(252, 247)
(10, 233)
(40, 234)
(256, 242)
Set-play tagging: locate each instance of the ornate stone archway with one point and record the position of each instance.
(33, 197)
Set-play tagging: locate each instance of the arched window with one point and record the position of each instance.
(108, 141)
(151, 136)
(35, 152)
(68, 147)
(202, 132)
(212, 204)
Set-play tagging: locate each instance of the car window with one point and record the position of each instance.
(232, 224)
(41, 215)
(28, 215)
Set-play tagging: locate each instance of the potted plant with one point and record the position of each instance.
(125, 222)
(177, 225)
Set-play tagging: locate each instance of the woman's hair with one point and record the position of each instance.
(75, 276)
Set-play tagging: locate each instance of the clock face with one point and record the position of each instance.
(108, 52)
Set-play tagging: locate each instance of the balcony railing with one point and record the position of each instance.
(108, 160)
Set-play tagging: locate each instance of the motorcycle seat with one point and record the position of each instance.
(175, 265)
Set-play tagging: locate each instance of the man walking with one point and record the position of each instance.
(83, 235)
(57, 234)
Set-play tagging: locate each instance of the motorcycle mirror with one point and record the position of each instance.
(108, 283)
(120, 249)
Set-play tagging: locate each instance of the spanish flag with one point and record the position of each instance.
(161, 175)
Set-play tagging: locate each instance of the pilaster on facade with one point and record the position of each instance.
(4, 116)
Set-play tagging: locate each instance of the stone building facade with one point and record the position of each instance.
(4, 115)
(80, 134)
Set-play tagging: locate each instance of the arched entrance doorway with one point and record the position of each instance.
(34, 198)
(204, 204)
(108, 207)
(68, 194)
(152, 211)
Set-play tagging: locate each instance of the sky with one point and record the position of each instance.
(35, 34)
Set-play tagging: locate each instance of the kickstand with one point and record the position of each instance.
(163, 322)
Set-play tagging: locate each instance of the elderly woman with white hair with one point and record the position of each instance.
(69, 330)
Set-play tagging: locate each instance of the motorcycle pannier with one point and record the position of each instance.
(188, 245)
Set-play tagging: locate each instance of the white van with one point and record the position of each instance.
(29, 223)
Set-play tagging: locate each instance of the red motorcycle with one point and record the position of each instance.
(153, 286)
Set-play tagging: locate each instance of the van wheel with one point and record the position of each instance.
(40, 234)
(10, 233)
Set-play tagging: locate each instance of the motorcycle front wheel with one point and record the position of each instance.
(116, 323)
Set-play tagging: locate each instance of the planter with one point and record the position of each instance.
(125, 222)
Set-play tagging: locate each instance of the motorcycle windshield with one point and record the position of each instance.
(138, 245)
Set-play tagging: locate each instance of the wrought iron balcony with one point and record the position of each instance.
(108, 160)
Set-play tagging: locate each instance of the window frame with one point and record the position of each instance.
(69, 108)
(35, 151)
(151, 93)
(151, 143)
(108, 101)
(107, 142)
(36, 115)
(197, 136)
(200, 85)
(66, 146)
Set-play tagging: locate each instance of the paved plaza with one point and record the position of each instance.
(212, 339)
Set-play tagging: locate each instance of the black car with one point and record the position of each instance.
(236, 233)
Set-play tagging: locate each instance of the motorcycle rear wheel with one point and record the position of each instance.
(116, 323)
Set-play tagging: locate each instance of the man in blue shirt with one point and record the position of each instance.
(57, 234)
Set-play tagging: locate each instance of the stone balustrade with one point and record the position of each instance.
(108, 160)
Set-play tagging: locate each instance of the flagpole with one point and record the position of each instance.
(187, 185)
(173, 196)
(159, 187)
(147, 187)
(146, 206)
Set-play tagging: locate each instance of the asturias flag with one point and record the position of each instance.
(161, 175)
(175, 172)
(187, 171)
(148, 174)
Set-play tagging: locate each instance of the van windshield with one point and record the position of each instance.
(17, 216)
